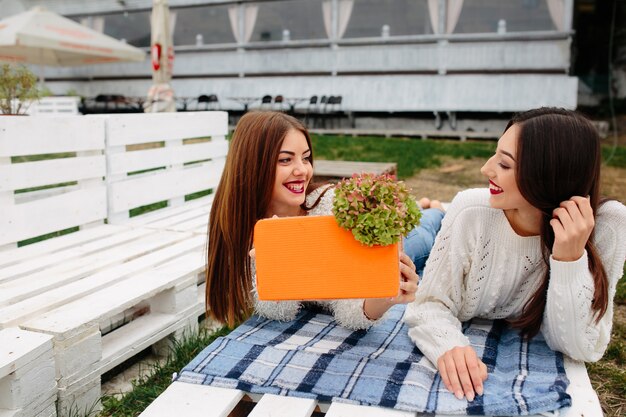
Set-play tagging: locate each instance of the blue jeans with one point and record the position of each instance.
(419, 241)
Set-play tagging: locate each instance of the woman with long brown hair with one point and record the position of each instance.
(268, 173)
(538, 248)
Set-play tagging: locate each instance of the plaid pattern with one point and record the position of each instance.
(313, 357)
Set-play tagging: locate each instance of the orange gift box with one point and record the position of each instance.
(312, 258)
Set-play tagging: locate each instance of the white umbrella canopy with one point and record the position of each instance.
(42, 37)
(161, 94)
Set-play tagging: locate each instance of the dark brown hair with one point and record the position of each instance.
(558, 157)
(242, 198)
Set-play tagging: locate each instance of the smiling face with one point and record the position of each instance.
(293, 174)
(500, 169)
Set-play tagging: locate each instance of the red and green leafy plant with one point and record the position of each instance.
(377, 209)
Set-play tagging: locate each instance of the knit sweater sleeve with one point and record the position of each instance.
(569, 323)
(432, 317)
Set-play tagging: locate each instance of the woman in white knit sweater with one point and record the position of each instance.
(268, 173)
(538, 248)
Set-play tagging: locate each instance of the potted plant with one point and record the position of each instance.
(377, 209)
(18, 88)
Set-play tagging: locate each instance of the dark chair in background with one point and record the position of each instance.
(332, 113)
(210, 102)
(309, 109)
(278, 102)
(113, 103)
(333, 103)
(266, 102)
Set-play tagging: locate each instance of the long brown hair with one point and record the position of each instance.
(558, 153)
(242, 198)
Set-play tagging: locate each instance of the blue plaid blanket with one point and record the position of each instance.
(313, 357)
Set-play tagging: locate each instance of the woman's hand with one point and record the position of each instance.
(462, 372)
(573, 223)
(374, 308)
(408, 281)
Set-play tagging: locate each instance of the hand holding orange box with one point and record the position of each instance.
(312, 258)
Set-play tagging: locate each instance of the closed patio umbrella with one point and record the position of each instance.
(42, 37)
(161, 94)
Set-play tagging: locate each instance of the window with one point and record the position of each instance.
(212, 22)
(482, 16)
(404, 17)
(302, 18)
(132, 26)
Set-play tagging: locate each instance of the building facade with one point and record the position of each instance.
(490, 56)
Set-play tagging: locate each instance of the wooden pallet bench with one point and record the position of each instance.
(191, 400)
(27, 374)
(54, 106)
(107, 291)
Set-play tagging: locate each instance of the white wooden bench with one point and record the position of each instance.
(191, 159)
(107, 291)
(191, 400)
(54, 106)
(27, 374)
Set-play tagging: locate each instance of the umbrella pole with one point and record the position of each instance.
(42, 75)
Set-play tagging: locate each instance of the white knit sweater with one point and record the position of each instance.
(348, 313)
(479, 267)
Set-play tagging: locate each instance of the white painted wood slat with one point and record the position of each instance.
(124, 162)
(35, 218)
(197, 225)
(52, 171)
(70, 271)
(203, 203)
(30, 307)
(45, 135)
(190, 400)
(19, 347)
(584, 400)
(32, 251)
(141, 190)
(180, 221)
(139, 334)
(68, 319)
(279, 406)
(45, 261)
(126, 129)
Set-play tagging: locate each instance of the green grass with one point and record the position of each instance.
(620, 290)
(619, 157)
(147, 388)
(411, 155)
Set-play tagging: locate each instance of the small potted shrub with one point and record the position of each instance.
(377, 209)
(18, 88)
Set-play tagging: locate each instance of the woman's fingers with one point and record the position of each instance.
(462, 372)
(572, 224)
(404, 259)
(453, 375)
(408, 281)
(441, 365)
